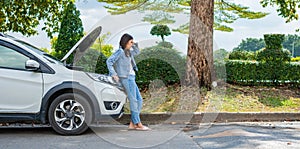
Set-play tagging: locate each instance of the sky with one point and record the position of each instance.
(93, 12)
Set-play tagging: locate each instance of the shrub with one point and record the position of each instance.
(255, 73)
(242, 55)
(271, 68)
(106, 50)
(93, 61)
(273, 58)
(165, 44)
(273, 55)
(101, 66)
(152, 69)
(274, 41)
(161, 63)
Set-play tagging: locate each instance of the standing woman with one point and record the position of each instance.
(122, 67)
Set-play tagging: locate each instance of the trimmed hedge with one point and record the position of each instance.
(242, 55)
(272, 67)
(159, 62)
(273, 41)
(274, 55)
(255, 73)
(156, 69)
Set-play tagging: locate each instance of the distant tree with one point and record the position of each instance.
(250, 44)
(71, 31)
(220, 55)
(105, 49)
(292, 43)
(296, 48)
(160, 30)
(45, 50)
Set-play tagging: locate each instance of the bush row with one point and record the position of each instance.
(242, 55)
(262, 54)
(255, 73)
(160, 62)
(167, 65)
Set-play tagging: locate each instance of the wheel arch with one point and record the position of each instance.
(68, 87)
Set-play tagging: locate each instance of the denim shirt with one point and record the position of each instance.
(119, 64)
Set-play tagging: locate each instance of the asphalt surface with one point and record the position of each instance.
(207, 136)
(249, 135)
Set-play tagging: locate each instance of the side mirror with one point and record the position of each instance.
(32, 65)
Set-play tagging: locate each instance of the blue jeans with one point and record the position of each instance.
(134, 96)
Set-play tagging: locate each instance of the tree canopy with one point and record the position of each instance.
(286, 8)
(226, 12)
(25, 16)
(160, 30)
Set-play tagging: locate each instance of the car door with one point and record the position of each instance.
(20, 89)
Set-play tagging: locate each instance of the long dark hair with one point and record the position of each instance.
(123, 42)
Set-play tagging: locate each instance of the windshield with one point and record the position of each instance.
(48, 57)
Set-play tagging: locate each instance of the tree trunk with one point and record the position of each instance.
(162, 38)
(200, 45)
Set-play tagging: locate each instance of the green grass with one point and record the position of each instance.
(226, 98)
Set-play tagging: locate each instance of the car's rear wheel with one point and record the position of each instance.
(70, 114)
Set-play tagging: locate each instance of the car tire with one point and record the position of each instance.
(70, 114)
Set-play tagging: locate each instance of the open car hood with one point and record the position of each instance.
(83, 45)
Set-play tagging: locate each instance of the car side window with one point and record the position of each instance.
(10, 58)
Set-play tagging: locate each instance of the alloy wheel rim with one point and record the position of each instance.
(69, 115)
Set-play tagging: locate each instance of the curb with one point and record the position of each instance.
(196, 118)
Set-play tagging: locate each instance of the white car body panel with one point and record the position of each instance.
(20, 91)
(23, 91)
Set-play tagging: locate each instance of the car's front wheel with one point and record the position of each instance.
(70, 114)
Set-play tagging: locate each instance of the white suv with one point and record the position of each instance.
(36, 87)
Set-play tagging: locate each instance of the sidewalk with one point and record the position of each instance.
(195, 118)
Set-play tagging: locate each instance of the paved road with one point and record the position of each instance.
(206, 136)
(248, 135)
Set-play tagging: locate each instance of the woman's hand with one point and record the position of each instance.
(136, 44)
(116, 78)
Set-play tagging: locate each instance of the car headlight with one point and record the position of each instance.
(105, 79)
(102, 78)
